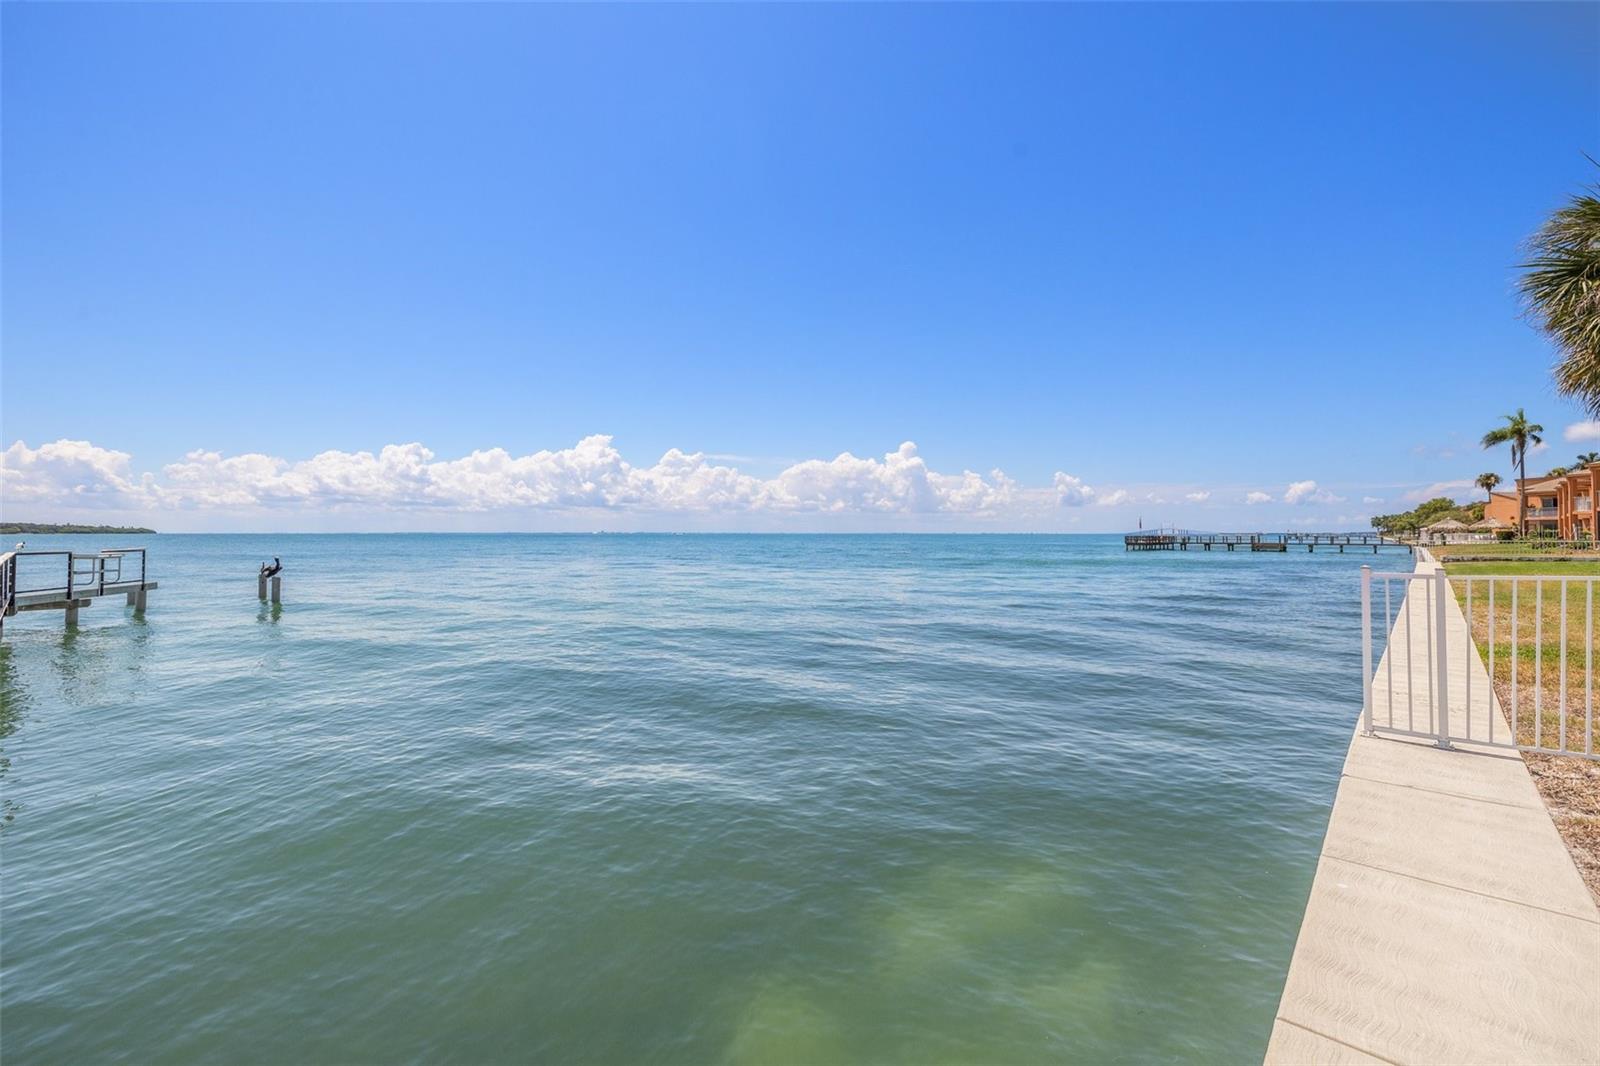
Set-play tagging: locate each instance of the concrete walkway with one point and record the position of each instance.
(1447, 923)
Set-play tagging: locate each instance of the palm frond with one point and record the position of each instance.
(1561, 292)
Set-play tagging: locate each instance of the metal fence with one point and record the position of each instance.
(1497, 659)
(8, 582)
(74, 573)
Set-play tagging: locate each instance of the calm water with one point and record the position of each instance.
(670, 799)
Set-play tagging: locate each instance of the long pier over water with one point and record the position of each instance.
(1179, 540)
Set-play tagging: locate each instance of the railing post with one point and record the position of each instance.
(1441, 589)
(1366, 650)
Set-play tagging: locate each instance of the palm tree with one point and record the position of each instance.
(1519, 433)
(1588, 457)
(1558, 471)
(1487, 482)
(1561, 291)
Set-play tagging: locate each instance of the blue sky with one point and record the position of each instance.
(1161, 252)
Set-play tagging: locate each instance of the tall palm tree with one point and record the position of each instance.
(1487, 482)
(1588, 457)
(1561, 290)
(1519, 433)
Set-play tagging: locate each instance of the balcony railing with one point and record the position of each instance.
(1582, 505)
(1543, 512)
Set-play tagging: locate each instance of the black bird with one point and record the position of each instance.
(269, 571)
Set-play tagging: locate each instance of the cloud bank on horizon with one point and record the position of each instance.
(592, 474)
(68, 479)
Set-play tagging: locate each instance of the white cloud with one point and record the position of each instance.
(1438, 488)
(1071, 491)
(70, 475)
(72, 471)
(1581, 431)
(581, 486)
(1371, 499)
(1253, 498)
(1300, 492)
(593, 473)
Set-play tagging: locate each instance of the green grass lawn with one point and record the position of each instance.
(1526, 567)
(1538, 663)
(1517, 549)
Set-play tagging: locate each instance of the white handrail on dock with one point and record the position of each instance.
(8, 586)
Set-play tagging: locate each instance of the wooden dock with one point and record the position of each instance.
(1177, 540)
(68, 581)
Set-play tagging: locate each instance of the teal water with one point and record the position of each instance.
(698, 799)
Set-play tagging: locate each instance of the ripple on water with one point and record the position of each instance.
(684, 799)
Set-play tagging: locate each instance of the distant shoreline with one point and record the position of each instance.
(43, 528)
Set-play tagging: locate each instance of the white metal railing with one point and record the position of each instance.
(8, 583)
(1469, 658)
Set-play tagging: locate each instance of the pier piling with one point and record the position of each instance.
(270, 572)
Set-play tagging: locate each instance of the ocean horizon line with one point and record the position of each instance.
(696, 533)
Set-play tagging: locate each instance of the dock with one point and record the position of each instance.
(1179, 540)
(1447, 922)
(68, 581)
